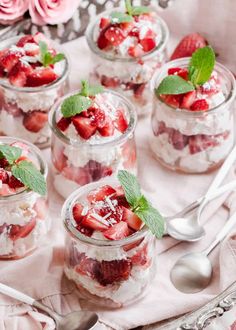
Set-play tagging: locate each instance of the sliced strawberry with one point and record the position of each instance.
(148, 44)
(108, 129)
(63, 124)
(120, 122)
(100, 194)
(25, 40)
(88, 267)
(188, 100)
(77, 212)
(9, 60)
(134, 32)
(34, 121)
(104, 22)
(4, 177)
(40, 77)
(102, 41)
(141, 257)
(172, 100)
(138, 90)
(98, 117)
(113, 271)
(84, 126)
(18, 74)
(117, 232)
(200, 105)
(128, 26)
(3, 162)
(41, 208)
(111, 82)
(132, 219)
(200, 142)
(135, 51)
(177, 139)
(17, 231)
(31, 49)
(188, 45)
(115, 35)
(183, 73)
(172, 71)
(92, 220)
(15, 183)
(5, 190)
(85, 231)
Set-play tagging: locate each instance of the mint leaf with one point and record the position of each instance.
(201, 65)
(117, 17)
(46, 58)
(58, 58)
(131, 187)
(87, 90)
(139, 10)
(30, 176)
(43, 47)
(11, 153)
(174, 85)
(128, 7)
(84, 88)
(74, 105)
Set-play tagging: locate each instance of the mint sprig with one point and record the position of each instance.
(135, 10)
(11, 153)
(140, 205)
(200, 68)
(81, 101)
(46, 58)
(117, 17)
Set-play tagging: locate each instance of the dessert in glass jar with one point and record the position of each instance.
(110, 253)
(33, 75)
(23, 205)
(192, 119)
(127, 46)
(93, 137)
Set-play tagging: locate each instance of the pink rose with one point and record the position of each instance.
(12, 10)
(52, 11)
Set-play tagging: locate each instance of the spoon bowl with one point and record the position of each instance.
(77, 321)
(186, 229)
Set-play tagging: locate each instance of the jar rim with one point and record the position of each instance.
(67, 216)
(176, 63)
(52, 85)
(118, 140)
(93, 47)
(42, 162)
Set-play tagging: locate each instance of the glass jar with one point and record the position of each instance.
(193, 141)
(128, 75)
(24, 220)
(78, 162)
(19, 104)
(107, 273)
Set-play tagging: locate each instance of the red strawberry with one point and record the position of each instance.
(84, 126)
(148, 44)
(188, 100)
(111, 82)
(172, 100)
(17, 231)
(34, 121)
(90, 220)
(128, 26)
(58, 158)
(85, 231)
(5, 190)
(15, 183)
(100, 194)
(172, 71)
(12, 109)
(134, 32)
(63, 124)
(141, 257)
(183, 73)
(9, 60)
(31, 49)
(77, 212)
(18, 74)
(199, 105)
(3, 162)
(102, 41)
(25, 40)
(117, 232)
(39, 77)
(178, 140)
(115, 35)
(87, 266)
(132, 219)
(108, 128)
(4, 177)
(40, 37)
(120, 122)
(78, 174)
(198, 143)
(188, 45)
(139, 89)
(98, 117)
(113, 271)
(135, 51)
(104, 22)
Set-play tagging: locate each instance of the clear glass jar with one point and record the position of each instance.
(130, 76)
(107, 273)
(193, 141)
(17, 104)
(78, 162)
(24, 220)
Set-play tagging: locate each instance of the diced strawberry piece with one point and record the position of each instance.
(9, 60)
(141, 257)
(134, 32)
(138, 90)
(102, 41)
(120, 122)
(40, 77)
(84, 126)
(31, 49)
(63, 124)
(17, 231)
(113, 271)
(128, 26)
(98, 117)
(115, 35)
(172, 100)
(5, 190)
(77, 174)
(211, 87)
(200, 142)
(15, 183)
(3, 162)
(188, 45)
(172, 71)
(104, 22)
(77, 212)
(183, 73)
(132, 219)
(178, 140)
(188, 100)
(108, 129)
(85, 231)
(25, 40)
(110, 82)
(200, 105)
(34, 121)
(91, 220)
(148, 44)
(40, 37)
(117, 232)
(100, 194)
(4, 177)
(18, 74)
(88, 267)
(96, 170)
(41, 208)
(135, 51)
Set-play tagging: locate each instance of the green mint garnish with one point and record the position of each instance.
(11, 153)
(75, 104)
(117, 17)
(46, 58)
(200, 68)
(140, 205)
(30, 176)
(135, 10)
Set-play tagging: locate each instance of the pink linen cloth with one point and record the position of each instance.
(41, 274)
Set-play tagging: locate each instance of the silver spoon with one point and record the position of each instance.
(193, 272)
(80, 320)
(189, 228)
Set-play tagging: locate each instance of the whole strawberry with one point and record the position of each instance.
(188, 45)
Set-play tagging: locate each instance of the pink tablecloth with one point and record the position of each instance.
(41, 274)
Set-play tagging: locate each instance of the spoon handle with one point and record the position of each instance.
(222, 234)
(13, 293)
